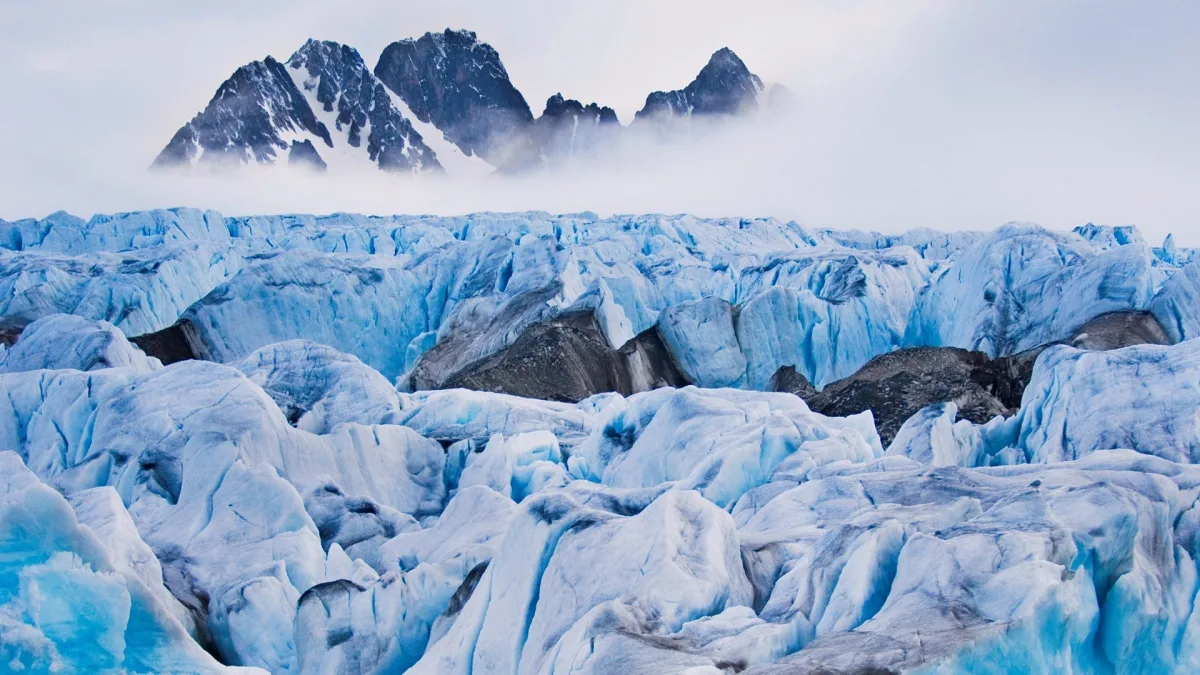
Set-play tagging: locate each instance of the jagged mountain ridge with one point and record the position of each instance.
(452, 83)
(267, 108)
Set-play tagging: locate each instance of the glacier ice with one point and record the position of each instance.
(1143, 398)
(298, 508)
(1023, 287)
(68, 342)
(138, 291)
(421, 298)
(82, 594)
(319, 387)
(1175, 305)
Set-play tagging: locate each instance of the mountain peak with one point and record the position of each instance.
(267, 111)
(459, 84)
(724, 86)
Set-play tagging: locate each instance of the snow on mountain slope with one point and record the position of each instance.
(356, 108)
(321, 107)
(456, 163)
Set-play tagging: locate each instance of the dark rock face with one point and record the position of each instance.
(896, 386)
(568, 359)
(568, 128)
(304, 154)
(449, 79)
(244, 120)
(786, 379)
(1120, 329)
(9, 335)
(177, 342)
(253, 112)
(724, 87)
(343, 84)
(459, 84)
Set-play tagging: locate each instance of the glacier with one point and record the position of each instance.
(240, 444)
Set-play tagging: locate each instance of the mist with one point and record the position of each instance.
(918, 114)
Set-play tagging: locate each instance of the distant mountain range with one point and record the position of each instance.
(432, 104)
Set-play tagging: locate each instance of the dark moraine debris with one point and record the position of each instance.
(786, 379)
(897, 385)
(568, 359)
(10, 334)
(177, 342)
(1120, 329)
(1114, 330)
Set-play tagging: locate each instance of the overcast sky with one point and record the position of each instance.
(941, 113)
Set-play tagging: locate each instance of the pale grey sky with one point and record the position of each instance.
(944, 113)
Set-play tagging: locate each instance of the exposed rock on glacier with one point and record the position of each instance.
(895, 386)
(175, 343)
(568, 358)
(62, 341)
(680, 562)
(786, 379)
(887, 567)
(69, 603)
(1023, 287)
(963, 386)
(1115, 330)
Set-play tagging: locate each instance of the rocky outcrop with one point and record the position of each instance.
(246, 120)
(895, 386)
(568, 359)
(567, 128)
(457, 82)
(724, 87)
(268, 112)
(172, 344)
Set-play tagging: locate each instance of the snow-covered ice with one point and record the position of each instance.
(290, 503)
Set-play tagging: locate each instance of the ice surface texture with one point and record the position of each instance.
(284, 506)
(424, 299)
